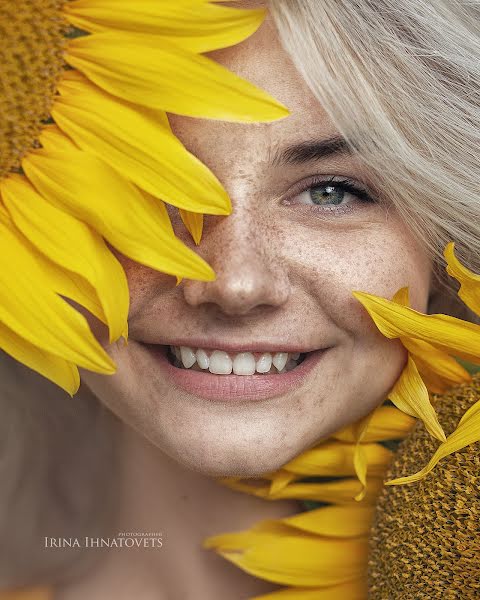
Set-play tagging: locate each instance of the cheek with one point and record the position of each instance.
(378, 259)
(145, 285)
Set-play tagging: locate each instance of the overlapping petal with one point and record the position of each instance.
(469, 290)
(466, 433)
(144, 70)
(443, 332)
(410, 395)
(275, 552)
(387, 423)
(30, 307)
(92, 191)
(334, 521)
(60, 371)
(99, 279)
(137, 144)
(198, 26)
(338, 491)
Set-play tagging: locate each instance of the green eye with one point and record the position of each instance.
(327, 194)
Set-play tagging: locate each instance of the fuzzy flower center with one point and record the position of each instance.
(33, 34)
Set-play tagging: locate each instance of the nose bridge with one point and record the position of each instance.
(244, 254)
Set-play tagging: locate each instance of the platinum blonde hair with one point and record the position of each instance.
(400, 79)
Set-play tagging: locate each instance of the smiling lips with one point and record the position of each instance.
(229, 386)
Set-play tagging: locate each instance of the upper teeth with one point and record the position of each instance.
(242, 363)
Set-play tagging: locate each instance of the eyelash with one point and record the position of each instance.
(346, 185)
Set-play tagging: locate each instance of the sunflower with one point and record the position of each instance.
(322, 554)
(88, 161)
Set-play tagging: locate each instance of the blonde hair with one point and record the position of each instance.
(400, 81)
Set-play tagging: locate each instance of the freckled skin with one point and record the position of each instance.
(284, 273)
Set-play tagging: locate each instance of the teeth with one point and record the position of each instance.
(188, 357)
(243, 363)
(220, 363)
(264, 363)
(280, 360)
(202, 359)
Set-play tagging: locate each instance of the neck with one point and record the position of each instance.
(157, 495)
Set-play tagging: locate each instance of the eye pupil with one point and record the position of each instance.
(326, 194)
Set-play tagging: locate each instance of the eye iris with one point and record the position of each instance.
(326, 194)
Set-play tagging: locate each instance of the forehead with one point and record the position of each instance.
(262, 60)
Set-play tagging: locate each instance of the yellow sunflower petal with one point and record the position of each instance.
(280, 479)
(194, 223)
(30, 307)
(360, 458)
(92, 191)
(438, 370)
(387, 423)
(339, 491)
(267, 530)
(334, 521)
(444, 332)
(135, 142)
(411, 395)
(73, 245)
(196, 26)
(302, 561)
(353, 590)
(469, 290)
(466, 433)
(337, 459)
(63, 373)
(117, 63)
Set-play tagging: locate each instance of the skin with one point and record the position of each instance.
(285, 272)
(286, 269)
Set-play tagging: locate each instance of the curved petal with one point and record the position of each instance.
(144, 70)
(438, 370)
(469, 290)
(131, 222)
(73, 245)
(444, 332)
(30, 307)
(194, 223)
(410, 395)
(466, 433)
(302, 561)
(135, 142)
(336, 459)
(60, 371)
(387, 423)
(339, 491)
(334, 521)
(196, 26)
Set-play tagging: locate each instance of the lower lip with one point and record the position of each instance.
(234, 388)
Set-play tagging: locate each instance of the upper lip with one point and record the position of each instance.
(230, 346)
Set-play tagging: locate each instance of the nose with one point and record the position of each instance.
(250, 273)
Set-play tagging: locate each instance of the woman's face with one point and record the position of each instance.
(287, 260)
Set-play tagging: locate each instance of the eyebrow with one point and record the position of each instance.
(311, 150)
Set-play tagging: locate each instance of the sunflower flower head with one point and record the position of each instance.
(434, 342)
(88, 161)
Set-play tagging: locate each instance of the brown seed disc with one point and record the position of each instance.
(32, 34)
(425, 540)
